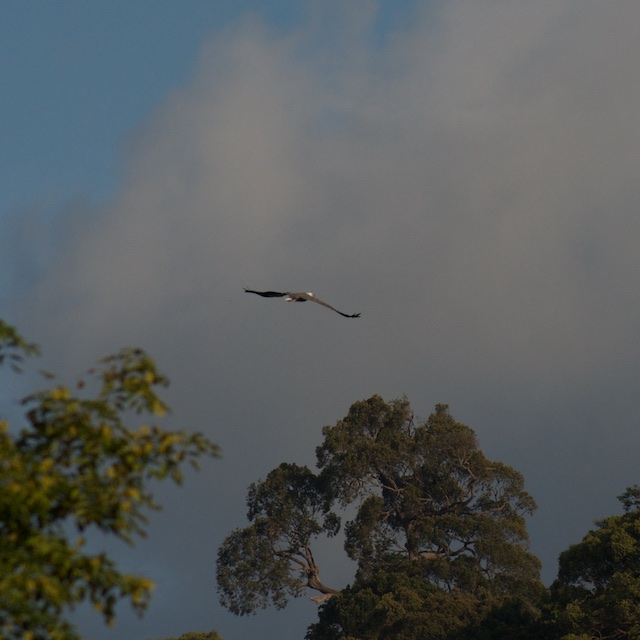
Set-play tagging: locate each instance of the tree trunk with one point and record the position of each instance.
(313, 582)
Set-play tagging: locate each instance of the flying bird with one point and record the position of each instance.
(300, 297)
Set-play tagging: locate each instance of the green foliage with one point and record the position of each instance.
(13, 347)
(397, 604)
(438, 535)
(630, 498)
(597, 592)
(403, 608)
(76, 467)
(262, 564)
(508, 619)
(425, 490)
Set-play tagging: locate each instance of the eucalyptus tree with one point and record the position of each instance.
(597, 593)
(433, 525)
(272, 558)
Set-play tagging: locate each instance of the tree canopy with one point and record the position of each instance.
(77, 466)
(597, 592)
(434, 520)
(261, 564)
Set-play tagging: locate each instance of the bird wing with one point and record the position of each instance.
(300, 296)
(268, 294)
(326, 304)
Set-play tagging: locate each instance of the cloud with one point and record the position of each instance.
(469, 186)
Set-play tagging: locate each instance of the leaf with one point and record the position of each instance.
(78, 464)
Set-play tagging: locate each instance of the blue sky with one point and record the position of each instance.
(462, 173)
(84, 74)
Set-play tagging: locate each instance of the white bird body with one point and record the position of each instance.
(290, 299)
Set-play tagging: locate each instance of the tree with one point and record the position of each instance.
(597, 593)
(427, 491)
(262, 564)
(77, 467)
(434, 521)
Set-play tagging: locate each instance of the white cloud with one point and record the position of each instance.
(471, 189)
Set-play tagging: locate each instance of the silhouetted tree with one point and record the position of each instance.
(597, 593)
(439, 534)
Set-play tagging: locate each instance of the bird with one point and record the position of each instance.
(300, 297)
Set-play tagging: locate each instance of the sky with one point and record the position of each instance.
(464, 174)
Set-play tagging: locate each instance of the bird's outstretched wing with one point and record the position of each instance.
(300, 297)
(268, 294)
(326, 304)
